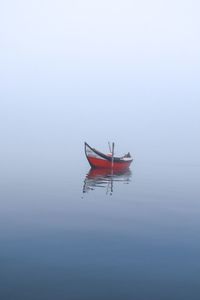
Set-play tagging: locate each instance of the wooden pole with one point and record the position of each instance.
(109, 146)
(113, 145)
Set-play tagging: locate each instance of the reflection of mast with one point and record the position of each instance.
(105, 178)
(110, 186)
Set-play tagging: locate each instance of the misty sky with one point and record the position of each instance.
(126, 71)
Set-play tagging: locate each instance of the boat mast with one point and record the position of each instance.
(109, 147)
(113, 145)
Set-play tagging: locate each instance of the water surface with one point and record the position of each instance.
(70, 233)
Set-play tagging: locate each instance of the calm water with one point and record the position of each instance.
(69, 233)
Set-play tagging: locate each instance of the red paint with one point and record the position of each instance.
(101, 163)
(104, 172)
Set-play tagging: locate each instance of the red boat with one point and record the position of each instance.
(98, 159)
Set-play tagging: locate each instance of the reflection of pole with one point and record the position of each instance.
(107, 190)
(106, 179)
(111, 186)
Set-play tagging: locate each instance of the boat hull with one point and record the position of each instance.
(98, 159)
(105, 164)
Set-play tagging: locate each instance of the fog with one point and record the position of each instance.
(98, 71)
(109, 70)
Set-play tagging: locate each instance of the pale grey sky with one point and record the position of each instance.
(96, 70)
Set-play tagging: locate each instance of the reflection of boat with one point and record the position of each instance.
(98, 159)
(105, 178)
